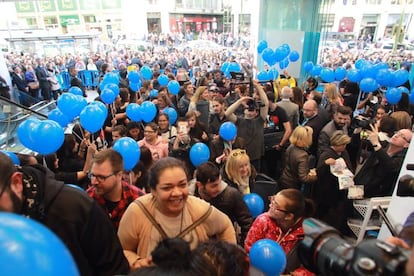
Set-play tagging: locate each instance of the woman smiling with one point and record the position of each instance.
(169, 211)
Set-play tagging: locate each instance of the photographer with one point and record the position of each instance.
(250, 127)
(380, 171)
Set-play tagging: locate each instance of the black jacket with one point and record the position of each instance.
(79, 222)
(230, 201)
(379, 173)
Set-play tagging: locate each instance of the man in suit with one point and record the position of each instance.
(43, 79)
(340, 117)
(19, 80)
(75, 81)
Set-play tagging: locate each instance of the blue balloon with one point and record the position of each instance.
(224, 66)
(12, 156)
(360, 63)
(30, 248)
(135, 86)
(283, 64)
(263, 76)
(114, 87)
(308, 66)
(368, 85)
(133, 76)
(228, 131)
(133, 112)
(129, 150)
(268, 55)
(76, 187)
(340, 73)
(399, 77)
(24, 129)
(66, 102)
(261, 46)
(148, 111)
(153, 93)
(268, 256)
(354, 75)
(403, 89)
(286, 48)
(101, 106)
(316, 70)
(255, 204)
(48, 137)
(76, 91)
(393, 95)
(293, 56)
(368, 71)
(174, 87)
(327, 74)
(199, 154)
(234, 67)
(383, 77)
(111, 77)
(108, 96)
(58, 116)
(172, 115)
(92, 118)
(163, 80)
(273, 74)
(282, 52)
(146, 72)
(411, 96)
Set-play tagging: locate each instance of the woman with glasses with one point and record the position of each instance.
(283, 224)
(169, 212)
(238, 172)
(153, 141)
(167, 131)
(297, 172)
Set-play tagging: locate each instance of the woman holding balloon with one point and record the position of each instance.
(283, 224)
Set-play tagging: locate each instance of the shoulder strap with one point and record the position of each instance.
(195, 224)
(152, 219)
(184, 232)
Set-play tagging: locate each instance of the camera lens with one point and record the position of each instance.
(323, 251)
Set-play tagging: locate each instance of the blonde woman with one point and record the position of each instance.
(238, 172)
(333, 97)
(297, 172)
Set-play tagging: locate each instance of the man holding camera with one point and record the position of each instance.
(380, 171)
(251, 126)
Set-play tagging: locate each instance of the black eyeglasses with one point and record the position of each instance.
(100, 178)
(274, 206)
(399, 134)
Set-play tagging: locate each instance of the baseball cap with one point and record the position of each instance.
(212, 87)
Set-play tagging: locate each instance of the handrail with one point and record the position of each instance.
(23, 107)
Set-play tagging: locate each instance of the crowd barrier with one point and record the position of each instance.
(90, 78)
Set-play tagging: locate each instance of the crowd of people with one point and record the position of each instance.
(321, 150)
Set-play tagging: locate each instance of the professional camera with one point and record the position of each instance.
(364, 122)
(324, 252)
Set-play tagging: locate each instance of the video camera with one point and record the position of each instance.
(325, 252)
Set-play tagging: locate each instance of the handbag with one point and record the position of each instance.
(271, 138)
(33, 85)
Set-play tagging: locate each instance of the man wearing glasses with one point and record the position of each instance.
(380, 171)
(74, 217)
(107, 187)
